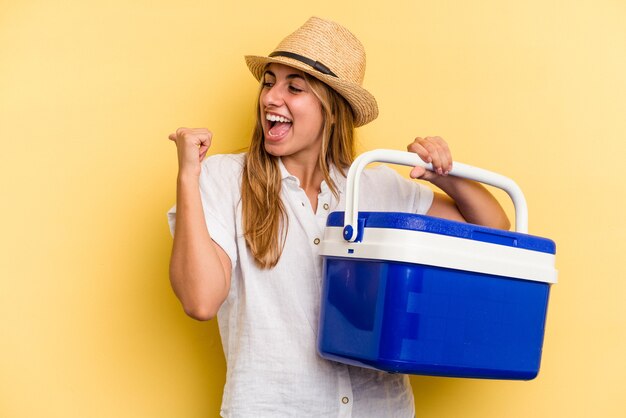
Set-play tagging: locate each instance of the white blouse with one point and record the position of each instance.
(268, 323)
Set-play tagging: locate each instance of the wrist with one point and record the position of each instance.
(442, 182)
(188, 176)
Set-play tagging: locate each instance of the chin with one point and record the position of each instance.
(273, 150)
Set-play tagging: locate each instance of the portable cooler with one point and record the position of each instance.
(414, 294)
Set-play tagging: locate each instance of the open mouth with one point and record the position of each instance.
(277, 125)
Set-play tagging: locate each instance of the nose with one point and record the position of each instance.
(272, 96)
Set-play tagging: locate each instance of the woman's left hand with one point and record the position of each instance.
(434, 150)
(464, 200)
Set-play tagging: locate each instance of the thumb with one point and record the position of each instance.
(417, 172)
(203, 150)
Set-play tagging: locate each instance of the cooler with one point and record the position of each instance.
(407, 293)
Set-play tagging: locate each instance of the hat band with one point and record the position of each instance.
(311, 63)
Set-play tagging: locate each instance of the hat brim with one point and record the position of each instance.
(363, 104)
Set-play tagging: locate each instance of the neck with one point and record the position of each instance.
(307, 171)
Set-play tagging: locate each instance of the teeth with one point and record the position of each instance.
(276, 118)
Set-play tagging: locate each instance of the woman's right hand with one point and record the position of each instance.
(192, 146)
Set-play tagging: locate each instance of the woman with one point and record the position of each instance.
(247, 228)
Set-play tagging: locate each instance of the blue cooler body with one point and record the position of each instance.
(421, 295)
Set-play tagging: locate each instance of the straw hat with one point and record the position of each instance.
(330, 53)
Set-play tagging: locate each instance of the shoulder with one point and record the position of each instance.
(223, 167)
(387, 190)
(383, 183)
(229, 162)
(222, 172)
(381, 175)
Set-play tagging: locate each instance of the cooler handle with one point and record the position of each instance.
(350, 230)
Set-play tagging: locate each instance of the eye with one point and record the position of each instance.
(268, 80)
(295, 89)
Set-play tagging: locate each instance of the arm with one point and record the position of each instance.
(465, 200)
(200, 269)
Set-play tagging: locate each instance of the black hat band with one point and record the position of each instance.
(311, 63)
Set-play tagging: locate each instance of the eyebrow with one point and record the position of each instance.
(289, 77)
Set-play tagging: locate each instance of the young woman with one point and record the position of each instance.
(247, 228)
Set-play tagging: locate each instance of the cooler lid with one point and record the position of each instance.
(424, 223)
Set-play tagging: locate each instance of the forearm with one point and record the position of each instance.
(197, 273)
(472, 200)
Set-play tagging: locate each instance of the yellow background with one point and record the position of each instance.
(89, 91)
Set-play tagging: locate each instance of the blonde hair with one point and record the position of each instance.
(264, 215)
